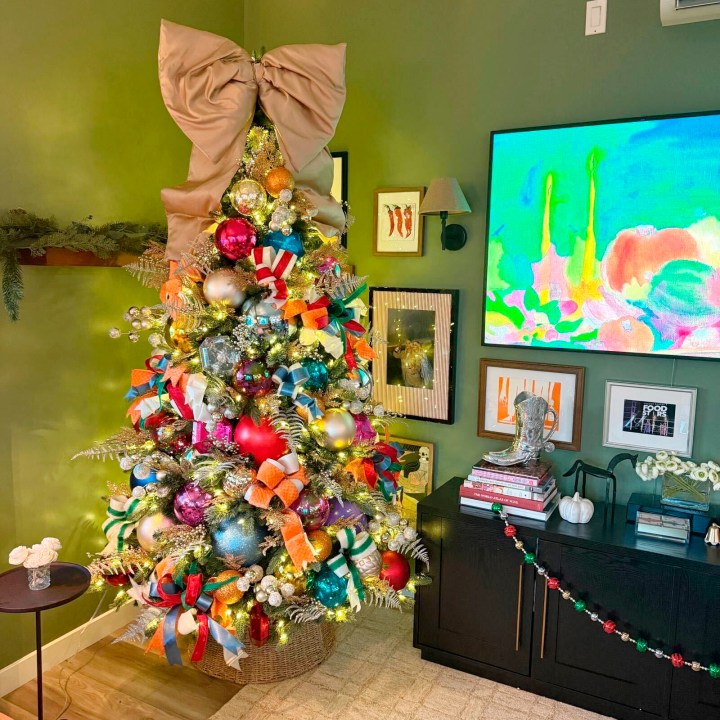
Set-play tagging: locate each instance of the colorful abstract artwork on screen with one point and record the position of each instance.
(607, 237)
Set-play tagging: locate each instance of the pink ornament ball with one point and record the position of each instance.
(190, 504)
(235, 238)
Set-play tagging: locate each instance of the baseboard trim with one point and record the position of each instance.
(23, 670)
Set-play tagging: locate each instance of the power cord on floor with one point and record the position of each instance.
(67, 697)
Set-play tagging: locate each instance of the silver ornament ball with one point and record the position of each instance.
(335, 430)
(224, 287)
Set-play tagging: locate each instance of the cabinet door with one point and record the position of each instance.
(479, 604)
(695, 695)
(569, 650)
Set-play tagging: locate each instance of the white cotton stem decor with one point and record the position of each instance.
(37, 559)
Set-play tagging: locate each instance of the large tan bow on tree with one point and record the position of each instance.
(211, 86)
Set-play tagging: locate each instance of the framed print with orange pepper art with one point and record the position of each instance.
(398, 224)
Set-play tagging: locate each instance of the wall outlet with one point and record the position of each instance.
(595, 17)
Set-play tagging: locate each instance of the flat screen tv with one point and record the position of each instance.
(606, 237)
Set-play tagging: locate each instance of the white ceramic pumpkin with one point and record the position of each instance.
(576, 509)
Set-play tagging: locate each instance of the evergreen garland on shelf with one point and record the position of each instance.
(22, 230)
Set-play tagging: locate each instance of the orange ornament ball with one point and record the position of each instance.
(229, 594)
(321, 544)
(277, 180)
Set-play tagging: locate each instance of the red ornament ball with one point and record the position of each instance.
(510, 531)
(235, 238)
(553, 583)
(395, 569)
(677, 660)
(260, 441)
(252, 378)
(117, 580)
(609, 627)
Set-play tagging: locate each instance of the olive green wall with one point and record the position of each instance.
(427, 82)
(83, 131)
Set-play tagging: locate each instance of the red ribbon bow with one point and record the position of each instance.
(271, 269)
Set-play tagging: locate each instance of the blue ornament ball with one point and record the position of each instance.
(292, 242)
(142, 475)
(318, 374)
(327, 587)
(240, 539)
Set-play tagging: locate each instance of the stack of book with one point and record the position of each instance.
(529, 491)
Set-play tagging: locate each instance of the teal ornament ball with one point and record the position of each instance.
(292, 242)
(239, 539)
(326, 587)
(142, 475)
(318, 372)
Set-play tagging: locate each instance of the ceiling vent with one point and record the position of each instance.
(677, 12)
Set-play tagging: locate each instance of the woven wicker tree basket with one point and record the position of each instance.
(307, 647)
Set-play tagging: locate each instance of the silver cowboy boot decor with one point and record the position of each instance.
(530, 413)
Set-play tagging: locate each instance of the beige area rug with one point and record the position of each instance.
(376, 674)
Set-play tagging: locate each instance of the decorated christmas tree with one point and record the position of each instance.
(261, 492)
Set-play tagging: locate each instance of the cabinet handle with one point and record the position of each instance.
(519, 608)
(544, 621)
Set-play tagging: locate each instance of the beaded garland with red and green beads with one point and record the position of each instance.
(580, 605)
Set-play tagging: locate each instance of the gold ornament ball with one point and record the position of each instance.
(321, 544)
(247, 196)
(176, 336)
(147, 528)
(279, 179)
(303, 411)
(335, 430)
(230, 593)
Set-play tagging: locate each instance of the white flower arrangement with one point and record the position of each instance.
(669, 462)
(42, 553)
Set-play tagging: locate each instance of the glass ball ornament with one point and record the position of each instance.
(148, 527)
(133, 337)
(177, 336)
(318, 372)
(235, 238)
(321, 544)
(312, 509)
(395, 569)
(142, 475)
(155, 339)
(218, 356)
(292, 243)
(262, 316)
(247, 196)
(229, 593)
(224, 287)
(114, 333)
(239, 539)
(362, 383)
(369, 565)
(335, 430)
(326, 587)
(252, 378)
(277, 180)
(190, 504)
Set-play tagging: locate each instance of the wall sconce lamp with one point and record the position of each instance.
(444, 197)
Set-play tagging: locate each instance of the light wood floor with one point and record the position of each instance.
(118, 682)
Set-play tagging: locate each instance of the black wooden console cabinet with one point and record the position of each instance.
(487, 614)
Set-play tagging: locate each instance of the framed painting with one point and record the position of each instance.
(562, 386)
(414, 371)
(416, 459)
(339, 189)
(649, 417)
(397, 222)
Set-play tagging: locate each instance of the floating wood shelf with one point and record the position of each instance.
(58, 257)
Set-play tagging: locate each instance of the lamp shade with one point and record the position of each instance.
(444, 195)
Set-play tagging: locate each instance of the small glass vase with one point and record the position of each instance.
(39, 577)
(682, 492)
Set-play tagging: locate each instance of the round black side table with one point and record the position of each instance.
(68, 581)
